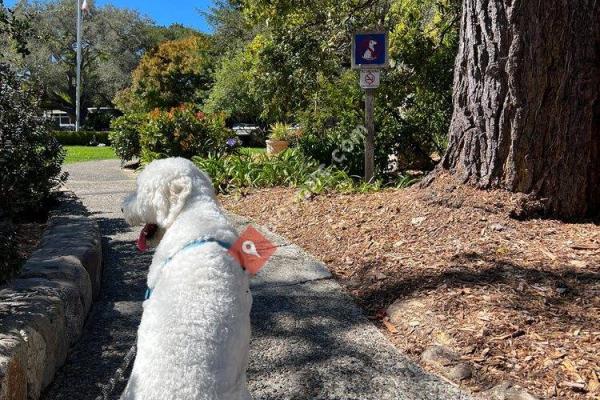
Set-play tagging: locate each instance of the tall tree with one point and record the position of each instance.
(231, 31)
(13, 33)
(114, 40)
(176, 72)
(527, 101)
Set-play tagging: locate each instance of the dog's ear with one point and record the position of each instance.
(177, 194)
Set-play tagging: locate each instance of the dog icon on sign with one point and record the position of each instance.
(370, 53)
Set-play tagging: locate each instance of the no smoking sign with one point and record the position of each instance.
(369, 79)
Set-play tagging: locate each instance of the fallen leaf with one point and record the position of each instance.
(558, 354)
(497, 227)
(549, 254)
(417, 220)
(594, 383)
(578, 263)
(443, 338)
(512, 335)
(389, 326)
(569, 366)
(577, 386)
(502, 250)
(585, 246)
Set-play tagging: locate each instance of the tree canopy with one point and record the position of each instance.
(114, 41)
(177, 71)
(290, 61)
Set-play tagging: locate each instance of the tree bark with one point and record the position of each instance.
(527, 101)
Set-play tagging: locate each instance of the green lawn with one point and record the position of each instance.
(252, 150)
(88, 153)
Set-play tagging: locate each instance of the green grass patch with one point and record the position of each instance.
(88, 153)
(252, 150)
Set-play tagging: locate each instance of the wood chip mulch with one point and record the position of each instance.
(518, 300)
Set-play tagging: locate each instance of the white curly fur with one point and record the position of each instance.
(195, 328)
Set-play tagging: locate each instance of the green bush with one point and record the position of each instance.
(336, 147)
(342, 145)
(332, 132)
(9, 256)
(290, 168)
(125, 137)
(100, 119)
(81, 138)
(182, 131)
(30, 157)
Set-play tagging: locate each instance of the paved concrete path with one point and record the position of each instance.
(309, 340)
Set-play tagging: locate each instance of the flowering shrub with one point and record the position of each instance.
(182, 131)
(233, 145)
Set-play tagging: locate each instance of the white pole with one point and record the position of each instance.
(78, 87)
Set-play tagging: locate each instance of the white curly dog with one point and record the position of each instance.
(193, 337)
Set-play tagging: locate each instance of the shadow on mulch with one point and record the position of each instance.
(565, 286)
(519, 298)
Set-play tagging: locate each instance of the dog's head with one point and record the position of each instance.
(162, 191)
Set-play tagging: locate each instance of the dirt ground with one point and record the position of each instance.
(518, 300)
(28, 237)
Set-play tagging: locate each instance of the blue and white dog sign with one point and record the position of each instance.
(370, 50)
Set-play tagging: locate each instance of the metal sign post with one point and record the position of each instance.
(370, 137)
(370, 55)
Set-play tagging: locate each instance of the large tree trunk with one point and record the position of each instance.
(527, 101)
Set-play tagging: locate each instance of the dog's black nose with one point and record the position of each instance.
(122, 209)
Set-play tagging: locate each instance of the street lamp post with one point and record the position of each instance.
(78, 83)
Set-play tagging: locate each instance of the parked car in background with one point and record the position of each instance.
(96, 118)
(249, 134)
(60, 119)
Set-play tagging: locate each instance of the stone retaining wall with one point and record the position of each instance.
(43, 311)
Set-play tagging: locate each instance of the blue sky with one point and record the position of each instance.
(164, 12)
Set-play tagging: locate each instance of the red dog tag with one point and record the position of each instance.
(252, 250)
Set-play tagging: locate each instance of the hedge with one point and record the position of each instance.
(81, 138)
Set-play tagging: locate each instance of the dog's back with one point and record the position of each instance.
(195, 329)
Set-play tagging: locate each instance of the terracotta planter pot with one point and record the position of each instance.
(276, 146)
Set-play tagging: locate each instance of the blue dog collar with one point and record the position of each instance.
(192, 244)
